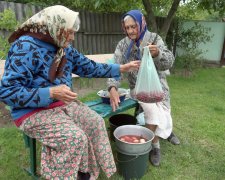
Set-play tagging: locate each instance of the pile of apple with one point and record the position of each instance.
(133, 139)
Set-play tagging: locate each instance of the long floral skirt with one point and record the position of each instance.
(74, 138)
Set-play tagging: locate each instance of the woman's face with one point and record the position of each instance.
(131, 28)
(69, 36)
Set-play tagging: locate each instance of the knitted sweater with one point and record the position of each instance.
(163, 62)
(25, 83)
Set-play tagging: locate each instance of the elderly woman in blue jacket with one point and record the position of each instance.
(37, 84)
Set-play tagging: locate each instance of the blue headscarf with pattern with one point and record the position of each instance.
(142, 27)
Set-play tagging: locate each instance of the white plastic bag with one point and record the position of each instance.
(148, 88)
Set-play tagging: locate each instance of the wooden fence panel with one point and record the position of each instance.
(98, 34)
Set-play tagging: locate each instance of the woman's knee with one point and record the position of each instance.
(76, 137)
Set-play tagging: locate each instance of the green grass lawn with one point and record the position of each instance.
(198, 109)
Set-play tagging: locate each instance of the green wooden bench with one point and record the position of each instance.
(103, 109)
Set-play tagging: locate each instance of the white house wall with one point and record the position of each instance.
(213, 49)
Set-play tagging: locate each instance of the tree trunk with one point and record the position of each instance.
(151, 20)
(169, 18)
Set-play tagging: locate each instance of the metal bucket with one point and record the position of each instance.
(132, 158)
(133, 148)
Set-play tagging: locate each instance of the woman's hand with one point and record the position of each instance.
(131, 66)
(154, 50)
(63, 93)
(114, 98)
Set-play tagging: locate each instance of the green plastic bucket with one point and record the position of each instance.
(132, 166)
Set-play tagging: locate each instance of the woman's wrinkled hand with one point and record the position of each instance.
(114, 98)
(62, 93)
(131, 66)
(154, 50)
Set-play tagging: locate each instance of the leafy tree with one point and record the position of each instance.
(148, 4)
(7, 22)
(212, 6)
(189, 9)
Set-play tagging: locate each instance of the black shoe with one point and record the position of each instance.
(173, 139)
(83, 176)
(155, 156)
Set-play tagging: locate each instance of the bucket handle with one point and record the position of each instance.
(136, 156)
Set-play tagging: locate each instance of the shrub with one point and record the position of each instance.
(187, 63)
(8, 22)
(188, 40)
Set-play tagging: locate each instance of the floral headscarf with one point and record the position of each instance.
(50, 25)
(142, 27)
